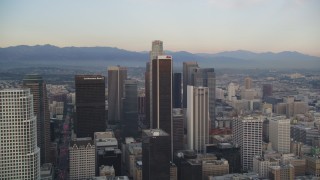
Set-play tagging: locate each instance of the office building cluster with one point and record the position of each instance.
(187, 124)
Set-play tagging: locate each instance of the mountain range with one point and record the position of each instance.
(48, 55)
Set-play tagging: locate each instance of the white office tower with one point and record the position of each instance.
(198, 122)
(19, 154)
(247, 133)
(231, 91)
(279, 134)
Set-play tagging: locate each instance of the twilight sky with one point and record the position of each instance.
(189, 25)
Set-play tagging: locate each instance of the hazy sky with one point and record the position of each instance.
(189, 25)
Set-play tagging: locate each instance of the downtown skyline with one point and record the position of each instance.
(206, 26)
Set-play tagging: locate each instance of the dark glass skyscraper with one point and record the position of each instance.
(116, 77)
(147, 85)
(90, 105)
(41, 109)
(176, 90)
(162, 93)
(155, 155)
(130, 109)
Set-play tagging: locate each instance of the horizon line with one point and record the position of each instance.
(250, 51)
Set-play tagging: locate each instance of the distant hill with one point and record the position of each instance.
(46, 55)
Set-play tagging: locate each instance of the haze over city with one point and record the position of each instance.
(195, 26)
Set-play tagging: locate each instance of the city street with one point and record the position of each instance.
(63, 162)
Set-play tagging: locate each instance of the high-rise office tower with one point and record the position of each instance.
(279, 134)
(231, 91)
(198, 123)
(247, 133)
(157, 50)
(176, 90)
(116, 77)
(162, 94)
(248, 83)
(41, 109)
(178, 129)
(187, 79)
(130, 109)
(19, 154)
(266, 90)
(206, 77)
(155, 154)
(147, 86)
(90, 105)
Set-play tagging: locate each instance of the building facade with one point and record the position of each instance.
(130, 109)
(116, 77)
(279, 134)
(155, 154)
(162, 95)
(41, 109)
(176, 90)
(19, 154)
(187, 79)
(90, 105)
(206, 77)
(198, 123)
(247, 133)
(82, 159)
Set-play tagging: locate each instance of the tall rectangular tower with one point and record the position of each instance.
(19, 154)
(162, 93)
(157, 50)
(206, 77)
(90, 105)
(155, 154)
(147, 86)
(187, 79)
(247, 133)
(41, 109)
(279, 134)
(116, 77)
(176, 90)
(198, 124)
(130, 109)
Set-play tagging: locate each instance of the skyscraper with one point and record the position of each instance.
(176, 90)
(178, 129)
(279, 134)
(187, 79)
(130, 109)
(116, 77)
(198, 124)
(206, 77)
(247, 133)
(248, 83)
(90, 105)
(19, 154)
(157, 50)
(162, 94)
(155, 154)
(41, 109)
(147, 87)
